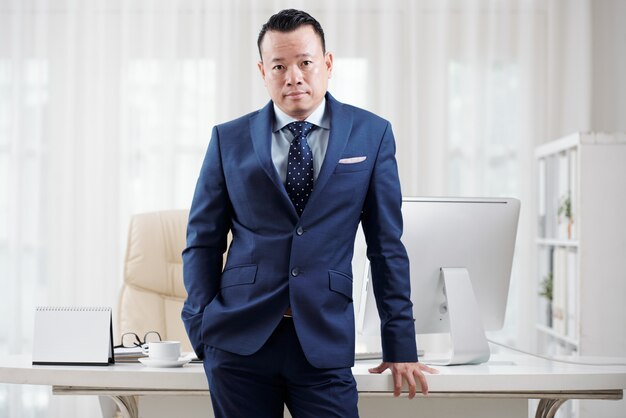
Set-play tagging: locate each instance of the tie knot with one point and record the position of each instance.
(300, 128)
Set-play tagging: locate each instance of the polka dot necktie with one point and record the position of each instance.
(299, 165)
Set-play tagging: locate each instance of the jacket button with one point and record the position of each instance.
(299, 231)
(295, 271)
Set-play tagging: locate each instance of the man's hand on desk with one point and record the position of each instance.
(408, 372)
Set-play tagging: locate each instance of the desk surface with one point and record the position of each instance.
(502, 374)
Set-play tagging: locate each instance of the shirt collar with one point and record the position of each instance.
(319, 117)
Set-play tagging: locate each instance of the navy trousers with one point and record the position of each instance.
(260, 385)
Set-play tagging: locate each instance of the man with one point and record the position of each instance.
(291, 182)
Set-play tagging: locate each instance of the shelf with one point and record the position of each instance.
(555, 147)
(549, 331)
(547, 242)
(576, 139)
(588, 168)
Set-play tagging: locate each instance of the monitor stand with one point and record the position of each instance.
(467, 334)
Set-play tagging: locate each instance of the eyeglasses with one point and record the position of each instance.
(130, 339)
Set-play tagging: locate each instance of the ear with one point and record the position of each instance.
(329, 63)
(261, 69)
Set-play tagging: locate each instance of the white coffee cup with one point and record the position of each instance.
(164, 350)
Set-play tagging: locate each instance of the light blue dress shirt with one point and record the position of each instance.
(317, 139)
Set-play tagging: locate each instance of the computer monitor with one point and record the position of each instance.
(461, 253)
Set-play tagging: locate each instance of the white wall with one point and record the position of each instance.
(608, 58)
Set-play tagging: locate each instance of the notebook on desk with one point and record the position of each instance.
(129, 354)
(73, 336)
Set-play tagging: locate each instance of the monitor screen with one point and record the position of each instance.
(461, 253)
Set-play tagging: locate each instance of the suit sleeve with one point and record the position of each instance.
(207, 231)
(382, 226)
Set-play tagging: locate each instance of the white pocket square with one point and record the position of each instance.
(352, 160)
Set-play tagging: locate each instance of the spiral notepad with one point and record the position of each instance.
(73, 336)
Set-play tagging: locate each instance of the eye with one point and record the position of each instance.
(307, 63)
(278, 67)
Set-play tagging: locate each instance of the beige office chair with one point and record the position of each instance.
(153, 292)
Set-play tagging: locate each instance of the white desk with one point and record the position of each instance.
(504, 378)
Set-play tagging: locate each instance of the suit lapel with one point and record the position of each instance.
(340, 128)
(261, 124)
(261, 133)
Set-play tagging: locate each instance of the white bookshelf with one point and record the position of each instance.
(585, 256)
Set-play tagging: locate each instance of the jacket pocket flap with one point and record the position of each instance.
(238, 275)
(340, 283)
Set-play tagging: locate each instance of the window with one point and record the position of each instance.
(349, 81)
(163, 155)
(23, 112)
(483, 129)
(484, 139)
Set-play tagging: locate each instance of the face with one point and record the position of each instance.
(295, 70)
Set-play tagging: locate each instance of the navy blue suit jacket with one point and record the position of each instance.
(277, 259)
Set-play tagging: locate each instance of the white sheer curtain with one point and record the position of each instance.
(106, 108)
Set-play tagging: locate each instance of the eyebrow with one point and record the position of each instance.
(304, 55)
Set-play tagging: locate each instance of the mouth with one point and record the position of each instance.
(295, 94)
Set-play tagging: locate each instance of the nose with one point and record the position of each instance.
(294, 75)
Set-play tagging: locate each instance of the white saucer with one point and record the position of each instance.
(147, 361)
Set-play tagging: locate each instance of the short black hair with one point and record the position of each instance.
(289, 20)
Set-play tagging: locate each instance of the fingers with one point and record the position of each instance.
(409, 372)
(421, 378)
(423, 383)
(397, 384)
(413, 374)
(412, 386)
(380, 368)
(427, 369)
